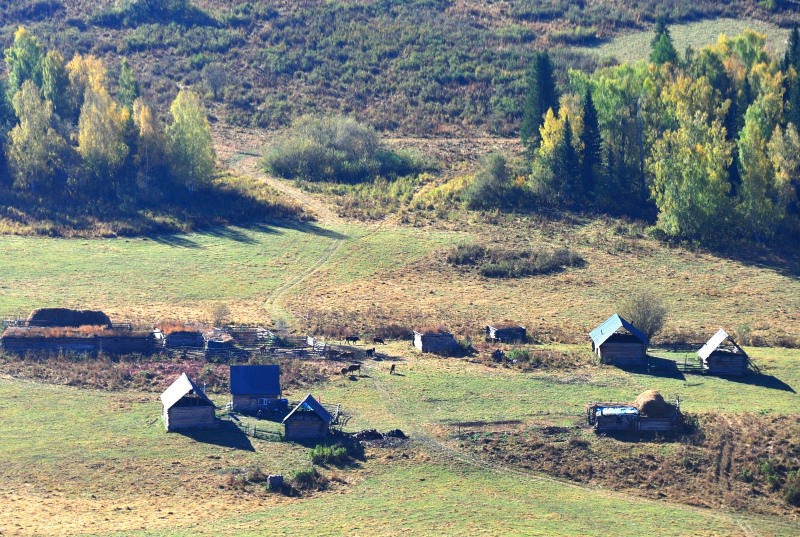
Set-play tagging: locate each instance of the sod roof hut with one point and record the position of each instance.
(255, 387)
(506, 332)
(176, 334)
(722, 356)
(308, 420)
(437, 340)
(618, 342)
(47, 317)
(186, 406)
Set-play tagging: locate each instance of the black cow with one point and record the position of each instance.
(371, 352)
(378, 340)
(391, 370)
(351, 339)
(353, 368)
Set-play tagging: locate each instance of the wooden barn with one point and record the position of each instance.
(435, 340)
(90, 339)
(506, 332)
(722, 356)
(308, 420)
(186, 406)
(255, 387)
(618, 342)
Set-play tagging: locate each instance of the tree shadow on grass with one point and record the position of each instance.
(226, 435)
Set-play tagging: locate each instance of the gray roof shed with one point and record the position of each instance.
(610, 326)
(182, 386)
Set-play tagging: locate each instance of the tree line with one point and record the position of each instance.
(706, 143)
(65, 135)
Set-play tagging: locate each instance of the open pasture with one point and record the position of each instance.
(636, 46)
(89, 456)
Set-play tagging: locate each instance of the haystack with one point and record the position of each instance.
(68, 317)
(652, 405)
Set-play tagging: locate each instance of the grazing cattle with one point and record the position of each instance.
(351, 339)
(354, 368)
(378, 340)
(371, 352)
(391, 370)
(498, 355)
(345, 370)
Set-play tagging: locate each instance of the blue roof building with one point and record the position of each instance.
(254, 387)
(618, 342)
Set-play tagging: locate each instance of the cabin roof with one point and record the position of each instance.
(610, 326)
(255, 379)
(311, 404)
(714, 343)
(182, 386)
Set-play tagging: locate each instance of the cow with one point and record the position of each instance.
(391, 370)
(354, 368)
(371, 352)
(345, 370)
(351, 339)
(378, 340)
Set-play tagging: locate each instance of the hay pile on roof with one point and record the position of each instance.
(85, 331)
(68, 317)
(652, 405)
(178, 327)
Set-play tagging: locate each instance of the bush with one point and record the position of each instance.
(499, 263)
(329, 454)
(309, 479)
(336, 149)
(791, 490)
(645, 311)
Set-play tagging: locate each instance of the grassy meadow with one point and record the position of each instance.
(93, 462)
(636, 46)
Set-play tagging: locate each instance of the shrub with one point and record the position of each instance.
(336, 149)
(501, 263)
(645, 311)
(791, 490)
(309, 479)
(336, 454)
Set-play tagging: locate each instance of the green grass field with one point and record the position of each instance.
(90, 455)
(636, 46)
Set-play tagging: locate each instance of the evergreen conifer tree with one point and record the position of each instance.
(591, 143)
(663, 51)
(542, 95)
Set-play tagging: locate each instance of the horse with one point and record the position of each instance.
(378, 340)
(354, 368)
(371, 352)
(391, 370)
(351, 339)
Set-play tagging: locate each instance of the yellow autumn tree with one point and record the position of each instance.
(151, 143)
(101, 136)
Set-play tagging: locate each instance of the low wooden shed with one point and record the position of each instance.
(722, 356)
(255, 387)
(175, 334)
(506, 332)
(435, 340)
(307, 421)
(618, 342)
(186, 406)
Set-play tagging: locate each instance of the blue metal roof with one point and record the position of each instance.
(616, 411)
(255, 379)
(311, 404)
(600, 334)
